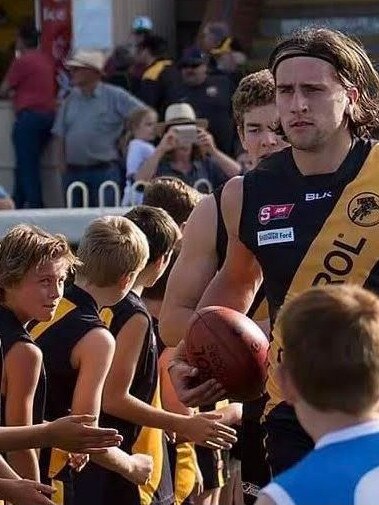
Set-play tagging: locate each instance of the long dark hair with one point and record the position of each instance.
(352, 65)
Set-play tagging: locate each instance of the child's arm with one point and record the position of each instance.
(22, 371)
(203, 429)
(231, 413)
(23, 491)
(169, 398)
(92, 357)
(70, 433)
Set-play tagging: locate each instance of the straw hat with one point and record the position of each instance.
(180, 113)
(94, 60)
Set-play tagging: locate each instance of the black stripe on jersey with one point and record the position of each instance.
(277, 181)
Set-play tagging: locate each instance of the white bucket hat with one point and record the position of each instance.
(180, 113)
(94, 60)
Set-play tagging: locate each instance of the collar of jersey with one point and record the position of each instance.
(359, 430)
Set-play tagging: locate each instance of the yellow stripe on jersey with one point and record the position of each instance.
(152, 73)
(261, 314)
(224, 47)
(345, 250)
(185, 472)
(64, 307)
(149, 441)
(58, 460)
(106, 315)
(221, 404)
(58, 496)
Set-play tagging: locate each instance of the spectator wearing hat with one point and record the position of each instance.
(142, 26)
(88, 126)
(187, 151)
(160, 73)
(30, 82)
(209, 95)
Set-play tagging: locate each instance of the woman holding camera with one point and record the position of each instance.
(187, 151)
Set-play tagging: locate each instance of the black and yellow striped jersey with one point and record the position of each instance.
(311, 230)
(140, 439)
(77, 314)
(157, 79)
(11, 332)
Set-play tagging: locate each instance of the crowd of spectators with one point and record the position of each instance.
(107, 126)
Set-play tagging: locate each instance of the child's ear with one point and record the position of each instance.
(125, 280)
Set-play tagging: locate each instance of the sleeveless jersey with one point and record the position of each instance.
(309, 230)
(77, 314)
(343, 469)
(11, 332)
(259, 309)
(138, 439)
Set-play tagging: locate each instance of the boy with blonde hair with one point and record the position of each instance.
(329, 372)
(33, 267)
(131, 397)
(78, 349)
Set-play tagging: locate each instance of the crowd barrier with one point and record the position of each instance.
(134, 195)
(71, 221)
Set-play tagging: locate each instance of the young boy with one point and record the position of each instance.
(209, 469)
(33, 266)
(178, 199)
(77, 347)
(32, 281)
(330, 373)
(131, 394)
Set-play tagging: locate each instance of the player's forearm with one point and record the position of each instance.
(173, 324)
(227, 291)
(137, 412)
(25, 463)
(115, 460)
(24, 437)
(6, 472)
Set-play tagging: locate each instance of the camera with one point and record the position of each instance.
(186, 134)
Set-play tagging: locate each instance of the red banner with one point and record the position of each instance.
(56, 29)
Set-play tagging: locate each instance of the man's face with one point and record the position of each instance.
(258, 135)
(83, 76)
(38, 294)
(208, 40)
(311, 102)
(195, 74)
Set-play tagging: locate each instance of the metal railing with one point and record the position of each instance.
(133, 192)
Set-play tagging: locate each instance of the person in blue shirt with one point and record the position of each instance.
(329, 372)
(6, 202)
